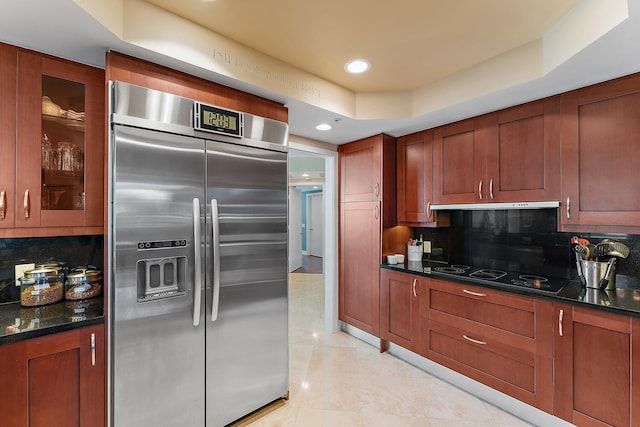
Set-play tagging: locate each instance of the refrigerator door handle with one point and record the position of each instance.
(215, 246)
(197, 283)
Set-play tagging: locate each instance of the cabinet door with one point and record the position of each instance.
(8, 76)
(399, 309)
(361, 170)
(458, 164)
(600, 152)
(360, 257)
(57, 379)
(60, 149)
(523, 152)
(592, 367)
(415, 178)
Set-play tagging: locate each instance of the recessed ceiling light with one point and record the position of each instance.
(357, 66)
(304, 175)
(323, 126)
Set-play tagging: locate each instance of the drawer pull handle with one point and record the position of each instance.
(568, 207)
(480, 189)
(475, 294)
(93, 349)
(376, 189)
(414, 287)
(474, 341)
(3, 205)
(428, 209)
(560, 322)
(491, 188)
(26, 204)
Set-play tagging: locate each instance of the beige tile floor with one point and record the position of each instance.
(337, 380)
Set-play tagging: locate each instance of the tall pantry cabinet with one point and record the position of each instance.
(367, 170)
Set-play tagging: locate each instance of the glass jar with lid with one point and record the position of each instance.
(41, 286)
(83, 283)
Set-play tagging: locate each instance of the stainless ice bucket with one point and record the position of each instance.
(595, 271)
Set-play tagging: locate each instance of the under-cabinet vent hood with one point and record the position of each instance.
(496, 206)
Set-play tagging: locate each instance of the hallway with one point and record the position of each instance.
(339, 381)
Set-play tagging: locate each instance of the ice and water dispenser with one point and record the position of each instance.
(161, 276)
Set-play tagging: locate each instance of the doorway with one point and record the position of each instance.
(329, 235)
(295, 229)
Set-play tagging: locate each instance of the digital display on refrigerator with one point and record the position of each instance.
(218, 120)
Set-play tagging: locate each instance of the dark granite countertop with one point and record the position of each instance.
(625, 299)
(19, 323)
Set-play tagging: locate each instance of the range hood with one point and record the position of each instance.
(496, 206)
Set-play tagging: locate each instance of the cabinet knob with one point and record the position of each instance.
(3, 205)
(26, 204)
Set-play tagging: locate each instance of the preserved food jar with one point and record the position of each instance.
(83, 283)
(41, 286)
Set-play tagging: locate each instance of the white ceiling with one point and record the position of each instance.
(409, 43)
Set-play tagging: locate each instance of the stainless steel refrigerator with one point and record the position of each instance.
(197, 296)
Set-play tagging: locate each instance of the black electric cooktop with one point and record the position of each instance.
(535, 282)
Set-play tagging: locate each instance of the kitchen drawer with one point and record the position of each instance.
(499, 310)
(502, 340)
(482, 357)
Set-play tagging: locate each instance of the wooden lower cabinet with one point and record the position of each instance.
(400, 318)
(54, 380)
(499, 339)
(596, 367)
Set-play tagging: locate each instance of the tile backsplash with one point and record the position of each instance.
(71, 250)
(518, 240)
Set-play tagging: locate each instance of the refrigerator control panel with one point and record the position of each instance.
(160, 278)
(162, 244)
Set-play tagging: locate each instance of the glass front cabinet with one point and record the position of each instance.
(59, 143)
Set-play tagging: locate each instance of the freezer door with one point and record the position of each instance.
(157, 354)
(247, 346)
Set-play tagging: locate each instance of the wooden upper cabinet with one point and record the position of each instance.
(458, 163)
(361, 170)
(8, 78)
(52, 130)
(523, 152)
(60, 143)
(508, 156)
(600, 152)
(415, 181)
